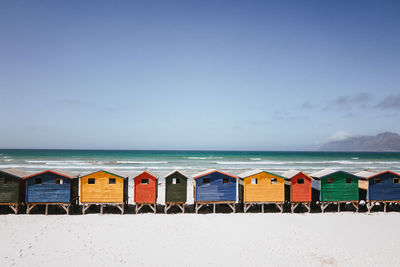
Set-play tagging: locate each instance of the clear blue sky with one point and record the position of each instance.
(197, 74)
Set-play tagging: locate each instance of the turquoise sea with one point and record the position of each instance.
(191, 162)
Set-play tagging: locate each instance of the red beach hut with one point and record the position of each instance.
(145, 191)
(300, 189)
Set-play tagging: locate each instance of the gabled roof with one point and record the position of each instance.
(378, 174)
(60, 172)
(322, 173)
(250, 173)
(148, 172)
(15, 172)
(176, 171)
(292, 173)
(327, 172)
(109, 172)
(367, 173)
(257, 171)
(203, 173)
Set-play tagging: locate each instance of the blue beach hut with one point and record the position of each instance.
(51, 187)
(383, 188)
(214, 187)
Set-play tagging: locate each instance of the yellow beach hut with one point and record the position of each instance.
(261, 187)
(104, 188)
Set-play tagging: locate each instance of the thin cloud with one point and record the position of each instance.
(307, 105)
(389, 102)
(360, 100)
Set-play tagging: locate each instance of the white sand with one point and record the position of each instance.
(345, 239)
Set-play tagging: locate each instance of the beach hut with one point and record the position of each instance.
(383, 188)
(175, 190)
(363, 183)
(12, 188)
(261, 187)
(300, 189)
(51, 187)
(146, 191)
(214, 187)
(104, 188)
(337, 187)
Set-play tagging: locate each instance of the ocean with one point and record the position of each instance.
(191, 162)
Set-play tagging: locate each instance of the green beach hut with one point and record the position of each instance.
(12, 188)
(337, 187)
(175, 190)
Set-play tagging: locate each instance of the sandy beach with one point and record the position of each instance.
(345, 239)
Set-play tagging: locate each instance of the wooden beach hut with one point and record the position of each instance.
(337, 187)
(146, 191)
(300, 189)
(383, 188)
(214, 187)
(261, 187)
(51, 187)
(12, 188)
(175, 190)
(104, 188)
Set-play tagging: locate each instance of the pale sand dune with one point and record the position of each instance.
(345, 239)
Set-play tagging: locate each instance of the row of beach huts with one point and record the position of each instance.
(211, 187)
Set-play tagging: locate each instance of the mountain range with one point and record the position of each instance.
(383, 142)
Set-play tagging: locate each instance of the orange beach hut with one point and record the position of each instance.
(261, 187)
(104, 188)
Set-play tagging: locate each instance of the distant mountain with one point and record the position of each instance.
(383, 142)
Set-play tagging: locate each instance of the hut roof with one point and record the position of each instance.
(326, 172)
(64, 173)
(257, 171)
(377, 174)
(250, 173)
(200, 174)
(148, 172)
(367, 173)
(292, 173)
(174, 171)
(15, 172)
(322, 173)
(109, 172)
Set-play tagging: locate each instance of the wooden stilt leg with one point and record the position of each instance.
(155, 208)
(384, 207)
(183, 208)
(101, 208)
(262, 207)
(14, 207)
(214, 209)
(165, 208)
(323, 207)
(46, 209)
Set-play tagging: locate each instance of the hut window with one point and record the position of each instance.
(111, 180)
(225, 180)
(59, 181)
(348, 180)
(300, 181)
(329, 181)
(38, 180)
(145, 181)
(254, 181)
(206, 180)
(395, 180)
(176, 181)
(91, 181)
(377, 181)
(274, 181)
(7, 180)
